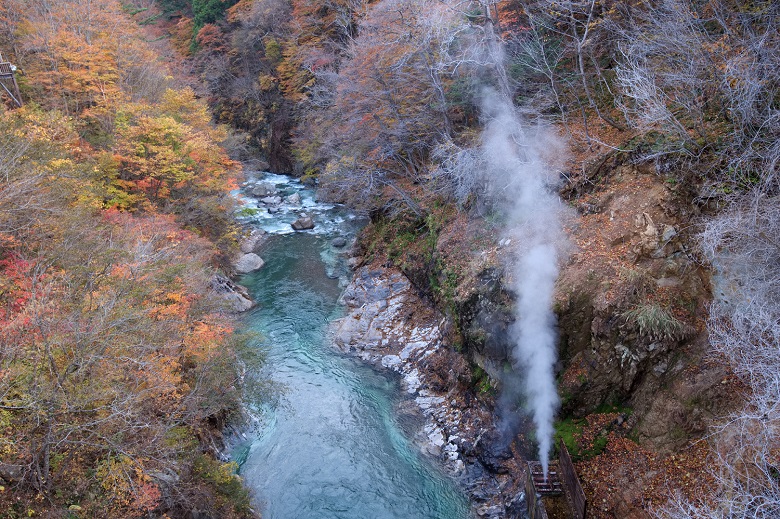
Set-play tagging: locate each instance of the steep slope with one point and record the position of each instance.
(118, 366)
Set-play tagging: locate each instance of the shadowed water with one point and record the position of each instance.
(333, 448)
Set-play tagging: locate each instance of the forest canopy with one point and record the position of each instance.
(118, 365)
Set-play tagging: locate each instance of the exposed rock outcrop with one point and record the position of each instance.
(389, 326)
(236, 296)
(253, 242)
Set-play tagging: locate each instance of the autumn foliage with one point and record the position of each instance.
(116, 363)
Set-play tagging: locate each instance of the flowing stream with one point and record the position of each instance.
(333, 446)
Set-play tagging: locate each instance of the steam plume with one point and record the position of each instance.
(515, 166)
(519, 163)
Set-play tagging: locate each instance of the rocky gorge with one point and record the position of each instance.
(633, 359)
(629, 303)
(389, 326)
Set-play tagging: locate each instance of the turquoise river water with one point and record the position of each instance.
(333, 446)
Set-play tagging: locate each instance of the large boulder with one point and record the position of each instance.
(247, 263)
(264, 189)
(253, 242)
(271, 200)
(294, 199)
(237, 301)
(303, 223)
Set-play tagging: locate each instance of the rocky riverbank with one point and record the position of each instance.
(392, 328)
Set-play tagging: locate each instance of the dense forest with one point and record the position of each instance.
(116, 367)
(115, 214)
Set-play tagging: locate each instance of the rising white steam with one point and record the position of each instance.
(520, 161)
(516, 166)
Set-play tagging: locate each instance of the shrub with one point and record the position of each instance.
(655, 322)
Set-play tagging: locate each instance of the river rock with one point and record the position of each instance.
(339, 242)
(239, 302)
(271, 200)
(253, 242)
(263, 190)
(247, 263)
(303, 223)
(235, 295)
(294, 199)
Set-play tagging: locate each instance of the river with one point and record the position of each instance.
(333, 447)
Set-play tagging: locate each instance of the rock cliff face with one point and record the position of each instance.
(388, 325)
(631, 302)
(631, 305)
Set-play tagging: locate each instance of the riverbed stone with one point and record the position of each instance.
(339, 242)
(264, 189)
(294, 199)
(252, 243)
(247, 263)
(271, 200)
(303, 223)
(238, 302)
(236, 296)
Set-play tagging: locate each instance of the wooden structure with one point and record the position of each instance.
(8, 81)
(559, 495)
(536, 509)
(572, 483)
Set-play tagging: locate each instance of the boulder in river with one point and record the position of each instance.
(294, 199)
(271, 200)
(252, 242)
(264, 189)
(339, 242)
(247, 263)
(303, 223)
